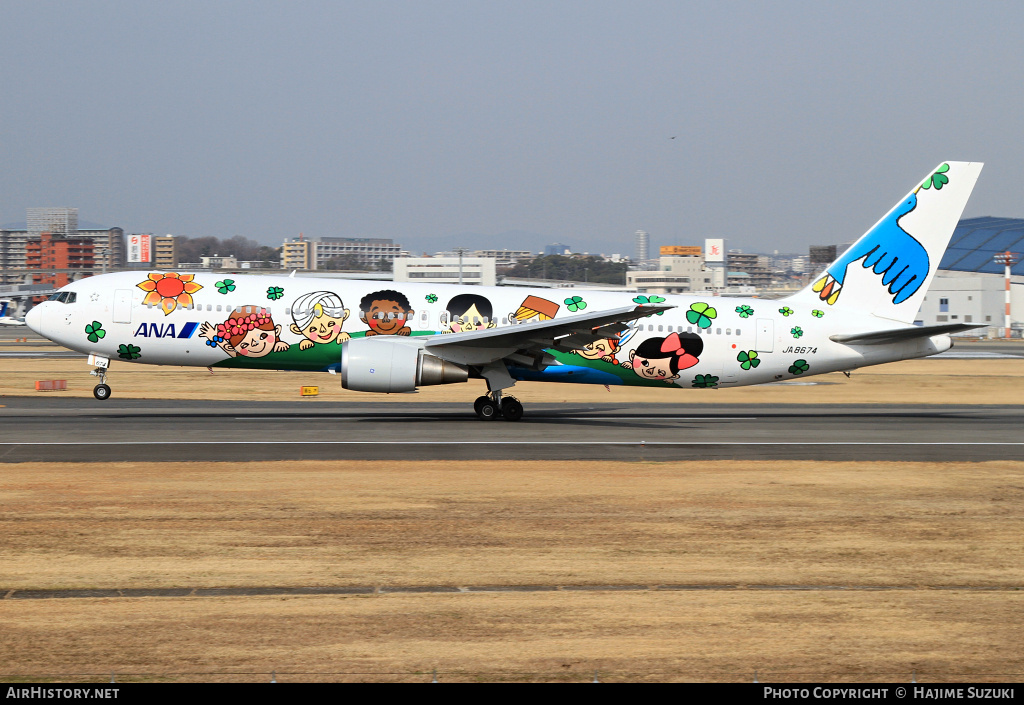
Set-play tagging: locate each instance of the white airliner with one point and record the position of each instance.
(6, 320)
(396, 337)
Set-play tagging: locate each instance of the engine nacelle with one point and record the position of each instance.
(393, 364)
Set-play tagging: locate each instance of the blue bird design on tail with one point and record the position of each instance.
(890, 252)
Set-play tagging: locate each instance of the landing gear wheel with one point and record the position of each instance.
(486, 410)
(479, 402)
(511, 409)
(101, 392)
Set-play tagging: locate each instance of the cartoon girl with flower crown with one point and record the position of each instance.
(249, 332)
(662, 358)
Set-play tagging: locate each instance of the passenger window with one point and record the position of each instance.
(718, 331)
(218, 307)
(660, 329)
(737, 331)
(287, 311)
(689, 329)
(728, 331)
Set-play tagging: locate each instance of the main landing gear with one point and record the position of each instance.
(493, 405)
(102, 390)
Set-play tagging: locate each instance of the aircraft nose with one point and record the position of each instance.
(34, 319)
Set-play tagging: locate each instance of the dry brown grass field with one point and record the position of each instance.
(992, 381)
(922, 527)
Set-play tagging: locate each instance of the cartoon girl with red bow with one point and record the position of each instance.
(662, 358)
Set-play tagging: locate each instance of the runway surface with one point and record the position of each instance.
(70, 429)
(108, 593)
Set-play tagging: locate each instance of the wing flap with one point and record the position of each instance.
(482, 347)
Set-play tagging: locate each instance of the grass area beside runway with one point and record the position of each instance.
(971, 381)
(918, 526)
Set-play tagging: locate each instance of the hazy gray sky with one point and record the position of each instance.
(794, 122)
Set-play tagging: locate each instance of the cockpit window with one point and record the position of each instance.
(65, 297)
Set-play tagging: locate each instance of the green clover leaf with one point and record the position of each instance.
(817, 314)
(786, 311)
(748, 359)
(431, 298)
(226, 286)
(744, 311)
(129, 352)
(799, 367)
(797, 331)
(95, 331)
(274, 293)
(650, 300)
(575, 303)
(938, 179)
(701, 314)
(705, 381)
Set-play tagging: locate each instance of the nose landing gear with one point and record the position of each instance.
(102, 390)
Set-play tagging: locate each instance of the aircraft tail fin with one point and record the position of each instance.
(887, 271)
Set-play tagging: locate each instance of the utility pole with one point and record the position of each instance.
(1007, 259)
(461, 251)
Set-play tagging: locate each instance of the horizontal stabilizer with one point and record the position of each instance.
(898, 335)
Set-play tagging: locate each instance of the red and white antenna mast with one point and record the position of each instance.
(1007, 259)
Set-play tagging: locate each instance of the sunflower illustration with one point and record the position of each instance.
(169, 290)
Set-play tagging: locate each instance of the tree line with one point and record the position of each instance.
(193, 249)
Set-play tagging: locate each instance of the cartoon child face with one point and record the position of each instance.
(468, 312)
(324, 328)
(318, 317)
(257, 342)
(386, 313)
(662, 358)
(606, 347)
(652, 367)
(249, 332)
(471, 319)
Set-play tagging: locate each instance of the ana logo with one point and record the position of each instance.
(165, 330)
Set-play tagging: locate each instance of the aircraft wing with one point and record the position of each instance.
(898, 335)
(530, 340)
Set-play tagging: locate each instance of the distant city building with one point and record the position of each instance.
(676, 274)
(296, 254)
(165, 252)
(821, 256)
(368, 251)
(317, 253)
(681, 251)
(58, 221)
(505, 258)
(445, 270)
(641, 246)
(557, 248)
(108, 243)
(58, 252)
(748, 269)
(219, 262)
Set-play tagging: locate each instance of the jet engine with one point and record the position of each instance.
(393, 364)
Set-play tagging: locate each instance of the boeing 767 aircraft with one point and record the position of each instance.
(397, 337)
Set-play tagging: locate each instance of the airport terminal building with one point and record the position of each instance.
(970, 286)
